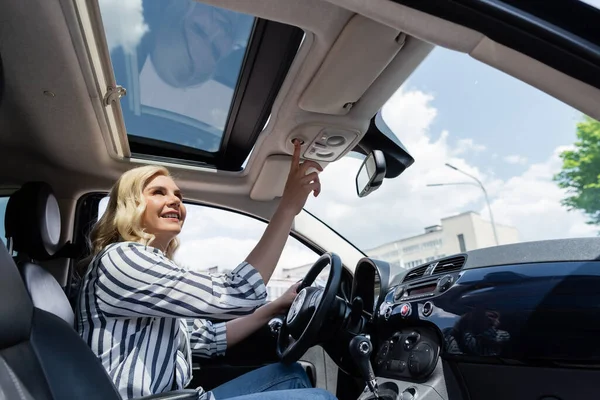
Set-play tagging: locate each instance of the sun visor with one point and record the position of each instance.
(362, 51)
(272, 178)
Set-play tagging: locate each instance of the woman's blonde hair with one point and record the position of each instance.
(122, 220)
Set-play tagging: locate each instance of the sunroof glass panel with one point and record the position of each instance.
(179, 61)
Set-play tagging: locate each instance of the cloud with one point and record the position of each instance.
(123, 23)
(403, 206)
(464, 146)
(515, 159)
(531, 202)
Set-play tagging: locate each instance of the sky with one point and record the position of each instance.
(452, 109)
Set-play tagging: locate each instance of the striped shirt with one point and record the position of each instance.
(142, 315)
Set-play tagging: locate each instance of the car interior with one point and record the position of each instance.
(77, 110)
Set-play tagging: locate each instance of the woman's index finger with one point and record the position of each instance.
(296, 155)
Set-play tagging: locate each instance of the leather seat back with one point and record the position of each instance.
(32, 226)
(46, 293)
(44, 357)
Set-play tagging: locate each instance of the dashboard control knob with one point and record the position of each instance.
(405, 310)
(445, 282)
(421, 360)
(411, 340)
(427, 309)
(399, 292)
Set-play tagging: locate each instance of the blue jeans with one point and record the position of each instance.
(273, 382)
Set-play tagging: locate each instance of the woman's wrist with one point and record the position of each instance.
(269, 310)
(285, 211)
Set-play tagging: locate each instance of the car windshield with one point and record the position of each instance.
(473, 131)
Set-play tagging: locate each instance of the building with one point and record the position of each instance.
(456, 234)
(277, 286)
(288, 276)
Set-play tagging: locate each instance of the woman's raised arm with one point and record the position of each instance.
(299, 185)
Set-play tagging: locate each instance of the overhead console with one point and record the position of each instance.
(360, 54)
(324, 143)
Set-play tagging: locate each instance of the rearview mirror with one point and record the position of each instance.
(371, 173)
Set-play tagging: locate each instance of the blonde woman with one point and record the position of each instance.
(143, 315)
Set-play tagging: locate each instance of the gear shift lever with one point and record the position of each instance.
(360, 349)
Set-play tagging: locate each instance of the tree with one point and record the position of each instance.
(580, 174)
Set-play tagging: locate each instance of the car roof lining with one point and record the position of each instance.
(60, 136)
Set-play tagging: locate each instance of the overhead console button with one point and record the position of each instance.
(336, 140)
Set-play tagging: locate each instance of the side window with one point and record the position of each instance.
(216, 241)
(3, 203)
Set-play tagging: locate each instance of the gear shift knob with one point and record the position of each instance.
(360, 349)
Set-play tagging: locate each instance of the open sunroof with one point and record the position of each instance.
(200, 79)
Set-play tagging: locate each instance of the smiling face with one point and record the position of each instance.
(165, 212)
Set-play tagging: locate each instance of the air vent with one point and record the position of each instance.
(449, 265)
(415, 273)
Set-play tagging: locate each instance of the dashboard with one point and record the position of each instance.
(527, 304)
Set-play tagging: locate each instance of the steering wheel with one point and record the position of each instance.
(309, 310)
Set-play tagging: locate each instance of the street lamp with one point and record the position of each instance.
(480, 185)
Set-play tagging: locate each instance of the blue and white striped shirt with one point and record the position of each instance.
(142, 315)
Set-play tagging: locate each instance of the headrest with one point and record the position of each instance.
(32, 221)
(16, 308)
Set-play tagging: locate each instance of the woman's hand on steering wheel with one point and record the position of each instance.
(281, 305)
